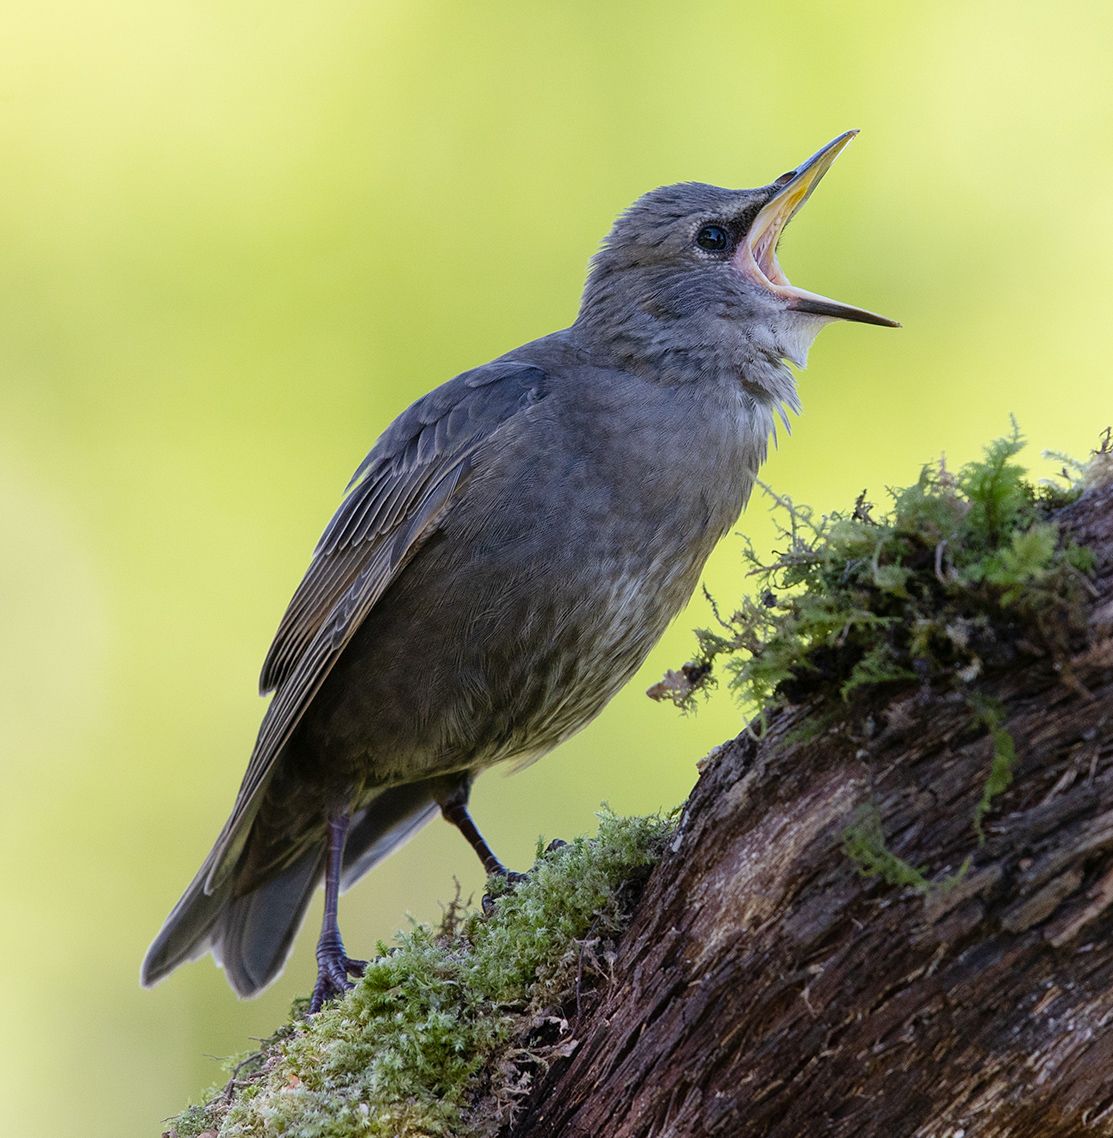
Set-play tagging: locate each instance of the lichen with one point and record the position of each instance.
(447, 1028)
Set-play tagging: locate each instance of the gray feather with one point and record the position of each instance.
(256, 931)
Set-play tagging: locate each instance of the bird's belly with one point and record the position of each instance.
(512, 628)
(571, 668)
(469, 664)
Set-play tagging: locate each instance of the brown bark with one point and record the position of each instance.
(765, 987)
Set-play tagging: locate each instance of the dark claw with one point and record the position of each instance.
(332, 979)
(512, 878)
(324, 990)
(334, 966)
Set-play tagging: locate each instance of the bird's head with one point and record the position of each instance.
(688, 278)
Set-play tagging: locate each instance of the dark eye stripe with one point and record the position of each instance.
(744, 220)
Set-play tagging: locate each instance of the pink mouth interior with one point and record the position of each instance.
(764, 252)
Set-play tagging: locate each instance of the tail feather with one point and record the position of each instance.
(187, 932)
(251, 933)
(382, 826)
(256, 931)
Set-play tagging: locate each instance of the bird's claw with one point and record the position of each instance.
(333, 971)
(512, 878)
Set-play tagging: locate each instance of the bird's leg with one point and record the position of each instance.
(455, 810)
(334, 966)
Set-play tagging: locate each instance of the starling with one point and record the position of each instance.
(504, 559)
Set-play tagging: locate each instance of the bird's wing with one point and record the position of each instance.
(394, 502)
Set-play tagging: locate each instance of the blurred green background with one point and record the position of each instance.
(238, 238)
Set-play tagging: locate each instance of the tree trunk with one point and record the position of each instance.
(767, 987)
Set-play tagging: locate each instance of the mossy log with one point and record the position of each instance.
(889, 914)
(765, 986)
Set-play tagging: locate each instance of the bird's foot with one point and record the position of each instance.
(333, 970)
(512, 879)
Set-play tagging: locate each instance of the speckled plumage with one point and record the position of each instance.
(506, 556)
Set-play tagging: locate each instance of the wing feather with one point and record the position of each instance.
(394, 502)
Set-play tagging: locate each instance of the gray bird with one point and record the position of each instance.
(503, 561)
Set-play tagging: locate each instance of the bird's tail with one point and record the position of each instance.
(250, 931)
(250, 934)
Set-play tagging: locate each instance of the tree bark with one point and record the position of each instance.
(766, 987)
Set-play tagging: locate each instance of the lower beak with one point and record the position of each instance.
(757, 253)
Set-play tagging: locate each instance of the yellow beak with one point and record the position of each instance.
(756, 256)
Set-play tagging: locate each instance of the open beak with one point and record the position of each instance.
(757, 253)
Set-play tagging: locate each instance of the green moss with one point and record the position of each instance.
(964, 569)
(444, 1031)
(194, 1120)
(864, 843)
(879, 664)
(1002, 765)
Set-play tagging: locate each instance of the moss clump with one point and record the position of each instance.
(444, 1031)
(966, 572)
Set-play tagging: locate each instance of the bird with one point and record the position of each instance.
(502, 562)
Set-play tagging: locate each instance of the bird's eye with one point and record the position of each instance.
(713, 238)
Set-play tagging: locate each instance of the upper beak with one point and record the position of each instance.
(757, 252)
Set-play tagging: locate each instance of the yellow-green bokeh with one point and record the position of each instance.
(237, 238)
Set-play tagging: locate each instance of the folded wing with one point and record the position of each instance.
(395, 501)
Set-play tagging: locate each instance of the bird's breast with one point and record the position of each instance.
(612, 550)
(573, 544)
